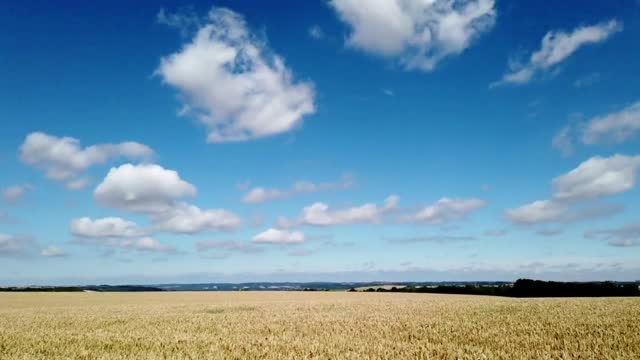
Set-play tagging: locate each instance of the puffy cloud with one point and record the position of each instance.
(154, 191)
(594, 178)
(16, 245)
(615, 127)
(541, 211)
(597, 177)
(555, 211)
(419, 33)
(319, 214)
(189, 219)
(556, 47)
(14, 193)
(53, 251)
(446, 209)
(143, 188)
(147, 244)
(63, 159)
(624, 236)
(234, 84)
(261, 194)
(276, 236)
(228, 246)
(109, 227)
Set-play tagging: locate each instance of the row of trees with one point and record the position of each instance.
(528, 288)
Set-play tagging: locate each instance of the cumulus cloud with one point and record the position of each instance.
(144, 188)
(155, 191)
(189, 219)
(541, 211)
(260, 194)
(16, 245)
(147, 244)
(228, 246)
(233, 83)
(594, 178)
(556, 47)
(616, 127)
(109, 227)
(597, 177)
(14, 193)
(319, 214)
(277, 236)
(624, 236)
(418, 33)
(446, 209)
(53, 251)
(63, 159)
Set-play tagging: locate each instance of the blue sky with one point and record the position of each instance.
(319, 140)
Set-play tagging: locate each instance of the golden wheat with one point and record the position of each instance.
(297, 325)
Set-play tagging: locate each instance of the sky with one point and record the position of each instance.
(230, 141)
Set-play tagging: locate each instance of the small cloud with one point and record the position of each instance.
(495, 232)
(316, 32)
(587, 80)
(53, 251)
(13, 194)
(388, 92)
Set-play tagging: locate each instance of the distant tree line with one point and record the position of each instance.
(527, 288)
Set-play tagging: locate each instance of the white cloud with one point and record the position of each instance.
(16, 245)
(446, 209)
(319, 214)
(234, 84)
(62, 159)
(147, 244)
(154, 191)
(276, 236)
(615, 127)
(189, 219)
(419, 33)
(53, 251)
(109, 227)
(541, 211)
(587, 80)
(143, 188)
(594, 178)
(563, 141)
(597, 177)
(14, 193)
(624, 236)
(556, 47)
(260, 194)
(316, 32)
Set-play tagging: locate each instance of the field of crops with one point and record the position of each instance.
(295, 325)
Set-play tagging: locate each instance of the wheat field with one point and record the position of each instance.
(322, 325)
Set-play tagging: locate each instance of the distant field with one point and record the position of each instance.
(294, 325)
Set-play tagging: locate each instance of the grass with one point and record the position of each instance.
(324, 325)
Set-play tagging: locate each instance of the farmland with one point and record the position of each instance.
(293, 325)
